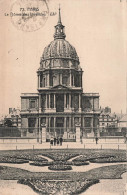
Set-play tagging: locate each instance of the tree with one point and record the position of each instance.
(8, 123)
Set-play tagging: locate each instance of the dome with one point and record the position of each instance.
(59, 53)
(60, 48)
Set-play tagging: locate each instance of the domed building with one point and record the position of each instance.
(60, 104)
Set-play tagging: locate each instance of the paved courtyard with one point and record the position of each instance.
(19, 144)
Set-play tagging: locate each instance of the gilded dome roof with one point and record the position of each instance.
(60, 48)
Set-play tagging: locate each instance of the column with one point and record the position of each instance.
(73, 80)
(46, 101)
(43, 133)
(65, 128)
(73, 121)
(38, 80)
(92, 127)
(70, 77)
(65, 100)
(69, 100)
(93, 103)
(79, 102)
(77, 133)
(49, 122)
(47, 78)
(64, 122)
(54, 122)
(54, 126)
(54, 100)
(38, 132)
(49, 100)
(39, 103)
(60, 79)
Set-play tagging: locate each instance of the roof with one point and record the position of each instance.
(60, 48)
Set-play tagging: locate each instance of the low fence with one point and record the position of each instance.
(10, 132)
(66, 133)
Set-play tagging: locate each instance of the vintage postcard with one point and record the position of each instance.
(63, 100)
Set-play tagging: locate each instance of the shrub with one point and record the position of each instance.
(60, 167)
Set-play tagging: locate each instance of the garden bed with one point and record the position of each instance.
(80, 163)
(38, 163)
(13, 160)
(58, 187)
(30, 157)
(114, 159)
(60, 167)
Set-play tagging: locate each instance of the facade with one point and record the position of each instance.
(60, 102)
(107, 119)
(14, 117)
(108, 123)
(123, 121)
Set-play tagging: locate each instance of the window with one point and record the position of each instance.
(32, 103)
(64, 80)
(87, 122)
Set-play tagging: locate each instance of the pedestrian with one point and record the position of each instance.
(96, 140)
(54, 141)
(125, 139)
(57, 141)
(51, 141)
(61, 140)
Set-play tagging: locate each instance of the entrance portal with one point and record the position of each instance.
(59, 126)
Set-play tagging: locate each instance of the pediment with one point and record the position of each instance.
(60, 87)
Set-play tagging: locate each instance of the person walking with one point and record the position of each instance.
(61, 140)
(96, 140)
(51, 141)
(54, 141)
(58, 141)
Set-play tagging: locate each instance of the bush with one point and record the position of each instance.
(80, 163)
(60, 167)
(13, 160)
(38, 163)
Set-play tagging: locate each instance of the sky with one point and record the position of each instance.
(96, 28)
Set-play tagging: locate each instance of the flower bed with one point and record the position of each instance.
(12, 160)
(38, 163)
(108, 160)
(31, 157)
(58, 187)
(80, 163)
(60, 167)
(91, 157)
(60, 156)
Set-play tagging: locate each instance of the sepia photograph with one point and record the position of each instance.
(63, 100)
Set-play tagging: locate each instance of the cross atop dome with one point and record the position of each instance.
(59, 28)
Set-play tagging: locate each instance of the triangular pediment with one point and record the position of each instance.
(60, 87)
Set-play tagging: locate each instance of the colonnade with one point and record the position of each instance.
(71, 79)
(67, 101)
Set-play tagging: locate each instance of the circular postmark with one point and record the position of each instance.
(29, 15)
